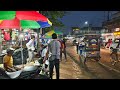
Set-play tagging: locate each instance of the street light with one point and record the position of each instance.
(86, 23)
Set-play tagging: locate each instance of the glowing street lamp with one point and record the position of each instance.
(86, 23)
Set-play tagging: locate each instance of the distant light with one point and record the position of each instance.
(117, 29)
(86, 22)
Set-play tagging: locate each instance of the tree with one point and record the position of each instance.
(54, 17)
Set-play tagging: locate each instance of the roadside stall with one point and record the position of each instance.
(106, 36)
(21, 20)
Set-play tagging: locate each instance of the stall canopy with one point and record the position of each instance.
(16, 23)
(22, 15)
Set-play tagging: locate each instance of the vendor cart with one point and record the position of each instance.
(92, 47)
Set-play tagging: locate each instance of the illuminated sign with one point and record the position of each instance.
(75, 28)
(116, 33)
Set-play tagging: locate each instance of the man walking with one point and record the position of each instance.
(54, 55)
(64, 49)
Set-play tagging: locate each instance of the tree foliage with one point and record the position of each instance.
(54, 17)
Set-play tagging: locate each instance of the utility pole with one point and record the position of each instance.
(104, 16)
(108, 15)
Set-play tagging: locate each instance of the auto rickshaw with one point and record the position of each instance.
(92, 47)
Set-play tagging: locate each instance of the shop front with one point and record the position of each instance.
(117, 33)
(107, 36)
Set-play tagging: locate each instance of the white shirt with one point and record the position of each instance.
(30, 45)
(44, 51)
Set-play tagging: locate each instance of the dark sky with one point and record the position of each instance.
(78, 18)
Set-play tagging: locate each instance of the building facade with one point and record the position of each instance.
(90, 30)
(113, 25)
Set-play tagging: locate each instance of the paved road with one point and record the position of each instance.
(93, 68)
(106, 59)
(70, 70)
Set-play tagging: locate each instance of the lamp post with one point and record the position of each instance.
(86, 23)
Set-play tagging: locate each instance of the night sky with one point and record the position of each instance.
(78, 18)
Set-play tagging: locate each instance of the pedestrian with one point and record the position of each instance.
(77, 44)
(108, 43)
(30, 46)
(54, 55)
(80, 49)
(64, 49)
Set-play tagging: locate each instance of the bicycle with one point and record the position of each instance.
(114, 56)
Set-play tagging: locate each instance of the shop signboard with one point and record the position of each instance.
(117, 34)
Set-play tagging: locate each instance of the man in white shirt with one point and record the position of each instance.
(30, 46)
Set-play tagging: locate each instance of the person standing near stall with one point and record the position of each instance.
(8, 62)
(30, 46)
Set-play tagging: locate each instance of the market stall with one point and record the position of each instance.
(20, 20)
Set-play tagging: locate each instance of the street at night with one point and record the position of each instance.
(59, 44)
(72, 69)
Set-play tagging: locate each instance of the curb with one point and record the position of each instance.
(110, 68)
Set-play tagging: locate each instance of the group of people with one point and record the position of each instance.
(51, 51)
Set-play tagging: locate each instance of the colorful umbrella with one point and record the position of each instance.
(16, 23)
(22, 15)
(44, 24)
(54, 31)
